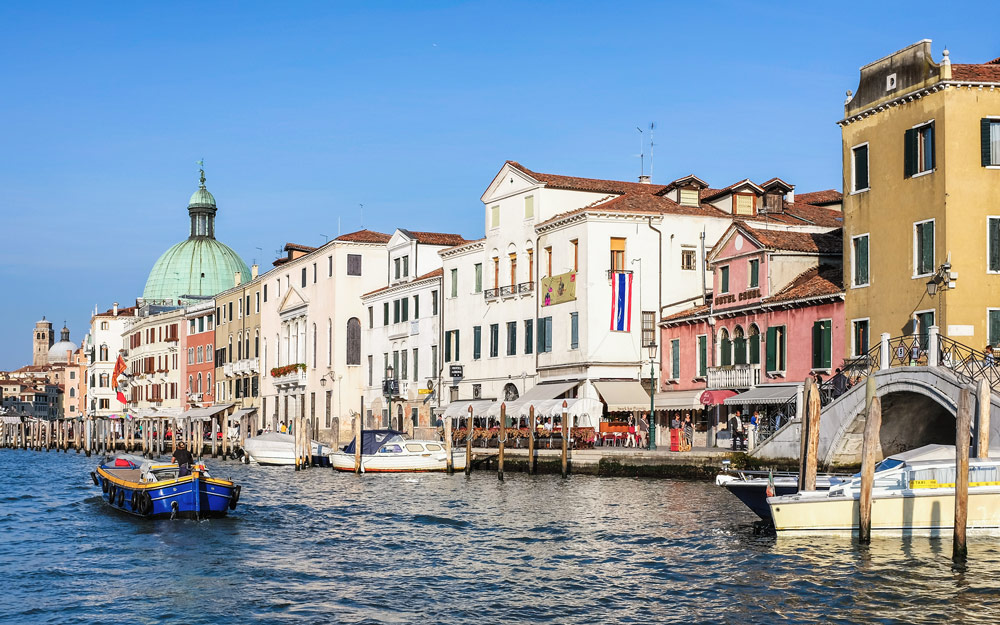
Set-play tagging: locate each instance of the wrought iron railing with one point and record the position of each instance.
(969, 364)
(525, 287)
(491, 293)
(507, 291)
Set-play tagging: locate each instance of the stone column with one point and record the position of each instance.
(933, 346)
(884, 355)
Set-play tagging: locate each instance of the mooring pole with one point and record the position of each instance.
(565, 442)
(531, 439)
(500, 439)
(963, 423)
(869, 456)
(468, 443)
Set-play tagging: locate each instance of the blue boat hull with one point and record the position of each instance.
(193, 496)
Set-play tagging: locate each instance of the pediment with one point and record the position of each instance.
(736, 241)
(509, 181)
(399, 238)
(292, 301)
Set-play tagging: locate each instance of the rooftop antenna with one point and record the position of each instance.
(326, 237)
(338, 226)
(362, 216)
(652, 125)
(261, 250)
(642, 163)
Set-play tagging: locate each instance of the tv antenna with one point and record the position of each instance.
(261, 250)
(652, 125)
(362, 216)
(642, 164)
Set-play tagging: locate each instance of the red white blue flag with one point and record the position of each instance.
(621, 302)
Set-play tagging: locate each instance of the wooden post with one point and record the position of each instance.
(985, 396)
(531, 439)
(468, 443)
(357, 444)
(871, 446)
(215, 438)
(963, 423)
(807, 478)
(447, 446)
(500, 439)
(565, 442)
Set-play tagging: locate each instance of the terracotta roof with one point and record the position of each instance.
(815, 282)
(720, 192)
(279, 261)
(690, 312)
(435, 238)
(462, 244)
(365, 236)
(595, 185)
(819, 198)
(989, 72)
(130, 311)
(818, 242)
(430, 274)
(298, 248)
(798, 214)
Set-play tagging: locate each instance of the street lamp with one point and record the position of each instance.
(651, 421)
(390, 378)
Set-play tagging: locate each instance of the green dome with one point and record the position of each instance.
(201, 198)
(195, 266)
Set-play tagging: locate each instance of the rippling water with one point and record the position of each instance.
(316, 546)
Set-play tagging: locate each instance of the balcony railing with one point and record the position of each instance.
(489, 294)
(733, 376)
(227, 369)
(508, 291)
(295, 378)
(525, 287)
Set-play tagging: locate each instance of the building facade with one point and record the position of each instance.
(153, 345)
(921, 165)
(197, 347)
(105, 341)
(238, 342)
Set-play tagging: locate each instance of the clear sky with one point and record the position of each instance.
(303, 111)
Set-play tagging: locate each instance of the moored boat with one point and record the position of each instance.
(388, 451)
(277, 448)
(154, 490)
(913, 493)
(751, 487)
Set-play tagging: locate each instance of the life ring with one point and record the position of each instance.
(112, 491)
(134, 502)
(105, 485)
(235, 497)
(145, 503)
(121, 497)
(93, 476)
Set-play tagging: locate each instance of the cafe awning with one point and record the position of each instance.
(714, 398)
(460, 409)
(537, 393)
(678, 400)
(203, 414)
(242, 412)
(764, 394)
(622, 395)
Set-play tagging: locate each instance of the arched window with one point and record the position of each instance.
(229, 352)
(246, 344)
(104, 353)
(208, 383)
(353, 341)
(725, 348)
(199, 382)
(256, 344)
(72, 392)
(754, 344)
(239, 346)
(190, 383)
(739, 346)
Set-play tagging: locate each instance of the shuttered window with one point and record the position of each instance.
(494, 340)
(353, 265)
(406, 309)
(754, 345)
(918, 150)
(724, 279)
(675, 359)
(416, 307)
(511, 338)
(994, 327)
(544, 335)
(775, 349)
(702, 356)
(990, 134)
(822, 349)
(353, 341)
(689, 197)
(495, 216)
(574, 330)
(860, 168)
(477, 342)
(454, 282)
(993, 238)
(743, 204)
(725, 350)
(385, 314)
(860, 337)
(754, 273)
(479, 277)
(860, 260)
(529, 338)
(923, 243)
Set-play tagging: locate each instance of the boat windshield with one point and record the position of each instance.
(885, 465)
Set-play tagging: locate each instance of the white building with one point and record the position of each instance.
(402, 329)
(310, 325)
(103, 344)
(528, 312)
(152, 339)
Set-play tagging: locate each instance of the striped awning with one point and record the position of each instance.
(764, 394)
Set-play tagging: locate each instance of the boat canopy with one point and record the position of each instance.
(372, 441)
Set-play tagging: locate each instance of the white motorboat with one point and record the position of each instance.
(913, 493)
(276, 448)
(388, 451)
(754, 487)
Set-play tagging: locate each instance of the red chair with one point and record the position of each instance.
(675, 439)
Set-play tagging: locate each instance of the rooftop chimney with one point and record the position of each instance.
(238, 278)
(114, 309)
(254, 271)
(644, 179)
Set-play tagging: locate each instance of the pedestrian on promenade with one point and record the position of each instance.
(688, 432)
(988, 359)
(644, 430)
(735, 429)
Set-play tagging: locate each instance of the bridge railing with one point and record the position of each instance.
(969, 364)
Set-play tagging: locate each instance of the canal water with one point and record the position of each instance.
(320, 547)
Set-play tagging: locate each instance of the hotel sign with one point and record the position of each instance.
(732, 298)
(559, 289)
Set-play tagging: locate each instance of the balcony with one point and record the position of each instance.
(525, 288)
(399, 330)
(733, 377)
(289, 379)
(227, 369)
(508, 291)
(491, 294)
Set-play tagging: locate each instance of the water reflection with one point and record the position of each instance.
(322, 547)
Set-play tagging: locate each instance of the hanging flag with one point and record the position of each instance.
(621, 302)
(769, 491)
(120, 367)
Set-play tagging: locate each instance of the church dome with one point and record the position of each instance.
(57, 353)
(199, 265)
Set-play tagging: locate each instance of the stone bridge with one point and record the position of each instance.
(919, 404)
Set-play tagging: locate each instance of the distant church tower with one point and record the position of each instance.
(42, 342)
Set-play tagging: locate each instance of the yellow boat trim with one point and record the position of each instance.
(163, 484)
(915, 484)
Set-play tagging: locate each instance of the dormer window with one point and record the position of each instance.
(744, 204)
(775, 202)
(689, 197)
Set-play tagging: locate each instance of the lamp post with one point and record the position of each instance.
(389, 379)
(651, 422)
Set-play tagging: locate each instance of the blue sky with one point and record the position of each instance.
(302, 111)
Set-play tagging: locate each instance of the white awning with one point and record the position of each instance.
(678, 400)
(537, 393)
(586, 411)
(242, 412)
(623, 395)
(457, 409)
(764, 394)
(203, 414)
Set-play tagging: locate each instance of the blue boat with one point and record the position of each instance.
(153, 490)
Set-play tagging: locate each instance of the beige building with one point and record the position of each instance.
(238, 342)
(921, 163)
(153, 345)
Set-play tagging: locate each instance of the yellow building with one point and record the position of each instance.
(921, 162)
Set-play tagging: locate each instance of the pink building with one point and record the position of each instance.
(197, 355)
(776, 315)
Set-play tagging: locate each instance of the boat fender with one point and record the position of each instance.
(134, 502)
(93, 476)
(112, 491)
(121, 497)
(235, 497)
(173, 509)
(145, 503)
(105, 485)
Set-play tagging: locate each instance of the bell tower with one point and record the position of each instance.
(42, 341)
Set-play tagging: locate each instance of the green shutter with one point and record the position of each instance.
(724, 273)
(984, 138)
(909, 152)
(993, 225)
(457, 357)
(702, 356)
(755, 349)
(926, 247)
(817, 343)
(861, 261)
(771, 355)
(827, 344)
(541, 335)
(385, 313)
(754, 272)
(528, 338)
(447, 346)
(739, 351)
(406, 309)
(861, 168)
(548, 334)
(929, 148)
(726, 349)
(416, 307)
(574, 330)
(477, 342)
(675, 359)
(994, 329)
